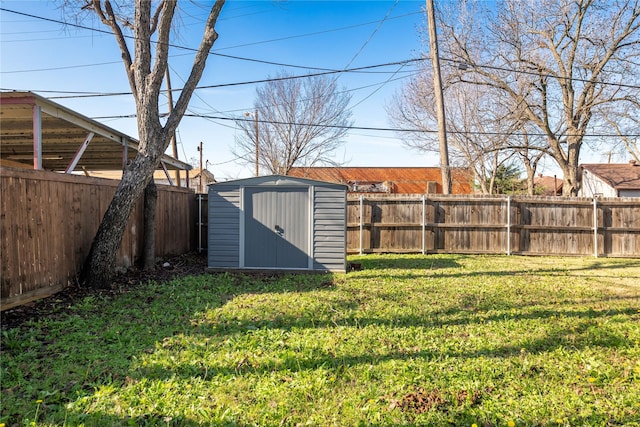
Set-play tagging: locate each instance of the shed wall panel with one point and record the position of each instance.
(329, 229)
(224, 227)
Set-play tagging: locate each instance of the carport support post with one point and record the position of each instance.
(361, 224)
(37, 137)
(595, 227)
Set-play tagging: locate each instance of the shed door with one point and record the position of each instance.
(276, 227)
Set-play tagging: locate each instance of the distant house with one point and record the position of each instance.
(548, 185)
(610, 180)
(389, 180)
(194, 179)
(160, 177)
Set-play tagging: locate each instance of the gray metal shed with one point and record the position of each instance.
(277, 223)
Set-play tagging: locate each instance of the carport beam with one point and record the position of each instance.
(166, 172)
(79, 153)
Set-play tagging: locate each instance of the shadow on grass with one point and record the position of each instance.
(407, 262)
(132, 327)
(428, 266)
(94, 341)
(107, 420)
(583, 333)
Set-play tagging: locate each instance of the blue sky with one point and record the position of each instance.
(44, 56)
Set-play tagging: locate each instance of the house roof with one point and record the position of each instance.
(548, 185)
(406, 180)
(64, 133)
(620, 176)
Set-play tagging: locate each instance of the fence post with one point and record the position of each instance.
(424, 220)
(361, 212)
(508, 225)
(199, 223)
(595, 227)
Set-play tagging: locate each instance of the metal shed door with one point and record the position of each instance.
(276, 227)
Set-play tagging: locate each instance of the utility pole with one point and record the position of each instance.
(437, 86)
(173, 136)
(256, 119)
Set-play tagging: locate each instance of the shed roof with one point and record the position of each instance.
(406, 180)
(277, 180)
(620, 176)
(64, 132)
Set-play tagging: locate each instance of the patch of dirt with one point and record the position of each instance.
(165, 270)
(422, 400)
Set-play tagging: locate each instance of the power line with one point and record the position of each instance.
(322, 73)
(239, 58)
(380, 23)
(316, 33)
(378, 85)
(485, 133)
(459, 62)
(379, 129)
(200, 98)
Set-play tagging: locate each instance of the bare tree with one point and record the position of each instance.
(625, 122)
(479, 130)
(300, 121)
(145, 68)
(558, 62)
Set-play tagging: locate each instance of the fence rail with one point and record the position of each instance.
(48, 221)
(510, 225)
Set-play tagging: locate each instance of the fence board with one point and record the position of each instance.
(476, 224)
(49, 221)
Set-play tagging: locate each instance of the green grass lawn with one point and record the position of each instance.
(408, 340)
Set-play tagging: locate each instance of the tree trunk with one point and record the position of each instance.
(145, 76)
(570, 183)
(150, 208)
(99, 267)
(531, 175)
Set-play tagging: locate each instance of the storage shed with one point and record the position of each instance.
(277, 223)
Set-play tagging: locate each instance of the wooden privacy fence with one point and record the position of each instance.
(509, 225)
(48, 221)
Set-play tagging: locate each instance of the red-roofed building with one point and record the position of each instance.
(548, 185)
(391, 180)
(610, 180)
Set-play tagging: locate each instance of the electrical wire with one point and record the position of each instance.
(378, 129)
(322, 73)
(316, 33)
(98, 30)
(459, 62)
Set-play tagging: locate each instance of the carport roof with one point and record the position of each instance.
(64, 135)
